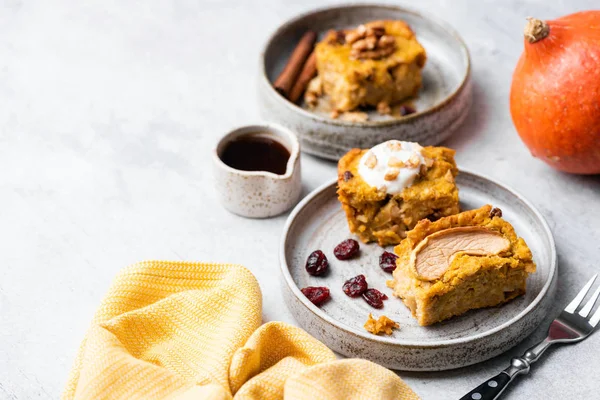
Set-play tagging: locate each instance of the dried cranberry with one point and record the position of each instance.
(406, 110)
(387, 261)
(347, 249)
(347, 176)
(316, 263)
(316, 294)
(356, 286)
(374, 298)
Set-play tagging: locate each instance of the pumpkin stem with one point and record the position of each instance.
(536, 29)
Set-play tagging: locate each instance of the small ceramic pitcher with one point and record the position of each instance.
(259, 194)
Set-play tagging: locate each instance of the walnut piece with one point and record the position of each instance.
(413, 161)
(394, 145)
(391, 174)
(356, 34)
(370, 42)
(395, 162)
(376, 29)
(367, 43)
(371, 160)
(386, 41)
(383, 324)
(431, 258)
(336, 37)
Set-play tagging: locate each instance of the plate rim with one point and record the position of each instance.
(411, 343)
(385, 123)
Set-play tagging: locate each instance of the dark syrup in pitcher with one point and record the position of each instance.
(253, 152)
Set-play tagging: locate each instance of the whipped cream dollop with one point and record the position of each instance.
(392, 166)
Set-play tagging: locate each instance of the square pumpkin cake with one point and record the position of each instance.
(386, 190)
(378, 64)
(458, 263)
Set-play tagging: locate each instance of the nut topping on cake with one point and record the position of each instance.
(371, 161)
(395, 162)
(386, 41)
(431, 258)
(375, 29)
(413, 161)
(391, 174)
(336, 37)
(394, 145)
(370, 42)
(356, 35)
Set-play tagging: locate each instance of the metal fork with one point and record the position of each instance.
(569, 327)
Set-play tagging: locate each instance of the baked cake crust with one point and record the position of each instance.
(376, 216)
(470, 281)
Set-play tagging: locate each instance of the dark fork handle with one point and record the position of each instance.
(493, 387)
(490, 389)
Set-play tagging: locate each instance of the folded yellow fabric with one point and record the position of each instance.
(191, 331)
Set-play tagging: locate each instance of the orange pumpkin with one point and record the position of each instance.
(555, 92)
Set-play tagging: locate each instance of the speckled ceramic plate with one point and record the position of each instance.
(442, 103)
(318, 222)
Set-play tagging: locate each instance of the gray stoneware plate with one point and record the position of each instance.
(442, 104)
(318, 222)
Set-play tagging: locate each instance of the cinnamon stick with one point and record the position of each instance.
(309, 71)
(284, 82)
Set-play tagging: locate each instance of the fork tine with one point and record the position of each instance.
(585, 311)
(579, 298)
(595, 318)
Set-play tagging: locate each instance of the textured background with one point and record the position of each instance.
(108, 112)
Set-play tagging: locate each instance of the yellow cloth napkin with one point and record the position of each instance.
(179, 330)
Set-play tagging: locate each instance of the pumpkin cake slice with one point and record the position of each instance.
(386, 190)
(377, 64)
(462, 262)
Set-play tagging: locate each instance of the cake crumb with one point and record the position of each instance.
(383, 324)
(355, 116)
(383, 108)
(449, 177)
